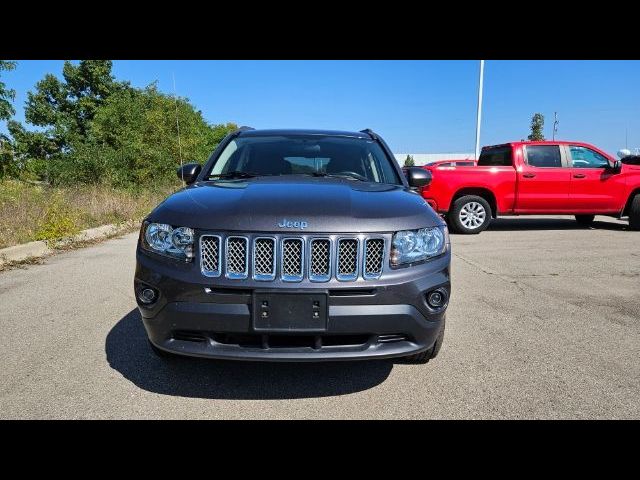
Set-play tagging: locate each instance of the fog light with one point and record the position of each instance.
(437, 298)
(147, 296)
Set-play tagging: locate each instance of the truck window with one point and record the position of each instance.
(545, 156)
(495, 157)
(582, 157)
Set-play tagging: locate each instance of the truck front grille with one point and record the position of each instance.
(320, 260)
(236, 257)
(210, 255)
(347, 259)
(292, 259)
(373, 257)
(264, 258)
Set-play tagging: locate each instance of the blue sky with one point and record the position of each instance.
(417, 106)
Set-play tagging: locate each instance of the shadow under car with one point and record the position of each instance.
(129, 353)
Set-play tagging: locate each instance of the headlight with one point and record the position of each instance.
(166, 240)
(416, 245)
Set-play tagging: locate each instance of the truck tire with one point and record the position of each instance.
(470, 214)
(585, 220)
(424, 357)
(634, 213)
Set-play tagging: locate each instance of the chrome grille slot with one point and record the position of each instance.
(237, 257)
(210, 255)
(320, 260)
(264, 258)
(374, 255)
(187, 336)
(391, 338)
(292, 259)
(347, 259)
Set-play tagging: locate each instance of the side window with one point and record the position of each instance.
(544, 156)
(495, 157)
(582, 157)
(223, 160)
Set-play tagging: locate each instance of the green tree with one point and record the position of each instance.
(537, 127)
(7, 95)
(134, 140)
(94, 129)
(64, 109)
(408, 162)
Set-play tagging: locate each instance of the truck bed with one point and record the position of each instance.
(448, 181)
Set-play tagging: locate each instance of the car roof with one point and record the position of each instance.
(539, 142)
(550, 142)
(296, 131)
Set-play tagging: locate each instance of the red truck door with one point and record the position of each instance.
(594, 188)
(543, 180)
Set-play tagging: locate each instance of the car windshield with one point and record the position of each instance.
(352, 158)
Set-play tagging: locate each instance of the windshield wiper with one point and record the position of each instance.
(234, 174)
(339, 175)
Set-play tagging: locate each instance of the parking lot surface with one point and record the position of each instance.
(544, 322)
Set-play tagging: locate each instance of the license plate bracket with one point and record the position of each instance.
(289, 311)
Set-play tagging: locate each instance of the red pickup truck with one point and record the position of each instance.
(535, 178)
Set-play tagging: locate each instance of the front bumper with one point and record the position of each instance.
(212, 318)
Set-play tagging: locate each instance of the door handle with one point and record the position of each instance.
(579, 175)
(528, 175)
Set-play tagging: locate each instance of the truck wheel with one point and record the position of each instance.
(424, 357)
(470, 214)
(585, 220)
(634, 213)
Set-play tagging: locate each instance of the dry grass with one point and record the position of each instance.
(35, 212)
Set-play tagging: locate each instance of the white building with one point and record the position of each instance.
(426, 158)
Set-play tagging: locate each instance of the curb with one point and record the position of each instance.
(17, 253)
(42, 248)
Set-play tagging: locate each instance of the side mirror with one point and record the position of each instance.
(189, 172)
(417, 177)
(615, 166)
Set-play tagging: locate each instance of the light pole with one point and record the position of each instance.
(479, 117)
(555, 125)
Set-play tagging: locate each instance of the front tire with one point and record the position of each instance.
(424, 357)
(585, 220)
(634, 213)
(469, 215)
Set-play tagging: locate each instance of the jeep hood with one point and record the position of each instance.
(327, 205)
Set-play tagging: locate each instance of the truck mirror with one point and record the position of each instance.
(417, 176)
(189, 172)
(615, 166)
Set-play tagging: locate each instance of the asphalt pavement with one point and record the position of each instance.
(544, 322)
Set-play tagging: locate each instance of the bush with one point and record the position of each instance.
(132, 140)
(60, 220)
(135, 139)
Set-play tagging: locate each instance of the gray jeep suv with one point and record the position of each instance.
(295, 245)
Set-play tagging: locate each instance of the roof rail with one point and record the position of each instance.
(370, 132)
(239, 130)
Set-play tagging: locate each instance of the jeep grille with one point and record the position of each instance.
(293, 259)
